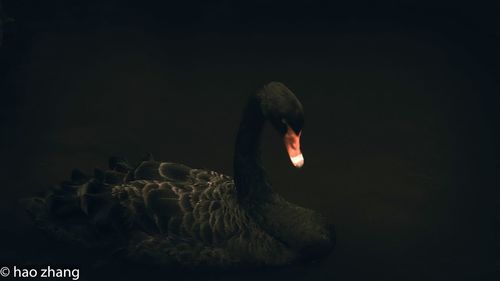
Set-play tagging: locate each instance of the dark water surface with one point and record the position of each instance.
(401, 138)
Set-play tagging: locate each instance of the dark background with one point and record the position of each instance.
(401, 100)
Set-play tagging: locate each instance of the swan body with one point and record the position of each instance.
(170, 214)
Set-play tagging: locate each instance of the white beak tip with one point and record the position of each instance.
(297, 161)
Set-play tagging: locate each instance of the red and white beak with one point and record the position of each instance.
(292, 144)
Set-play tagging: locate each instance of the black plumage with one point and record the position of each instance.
(171, 214)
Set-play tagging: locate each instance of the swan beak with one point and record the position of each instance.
(292, 144)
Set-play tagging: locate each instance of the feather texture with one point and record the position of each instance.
(185, 216)
(170, 214)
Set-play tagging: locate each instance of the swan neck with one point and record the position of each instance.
(249, 176)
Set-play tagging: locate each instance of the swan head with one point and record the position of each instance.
(284, 111)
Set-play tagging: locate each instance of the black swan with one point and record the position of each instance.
(170, 214)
